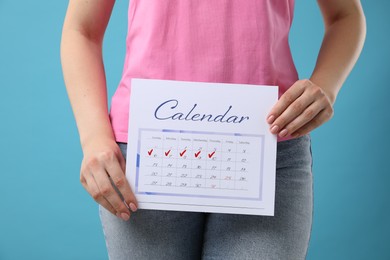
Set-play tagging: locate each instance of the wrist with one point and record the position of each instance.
(96, 135)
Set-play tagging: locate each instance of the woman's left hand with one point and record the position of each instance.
(302, 108)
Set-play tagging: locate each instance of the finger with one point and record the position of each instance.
(291, 113)
(108, 192)
(321, 118)
(302, 119)
(286, 99)
(91, 187)
(118, 178)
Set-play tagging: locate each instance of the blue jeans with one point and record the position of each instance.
(156, 234)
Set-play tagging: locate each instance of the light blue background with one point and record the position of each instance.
(46, 214)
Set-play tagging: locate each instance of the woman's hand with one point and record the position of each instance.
(305, 105)
(102, 167)
(302, 108)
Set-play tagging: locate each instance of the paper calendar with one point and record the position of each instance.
(204, 147)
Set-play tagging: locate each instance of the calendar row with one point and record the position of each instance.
(222, 175)
(188, 161)
(185, 153)
(197, 183)
(199, 166)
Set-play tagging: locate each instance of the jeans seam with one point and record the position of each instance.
(312, 190)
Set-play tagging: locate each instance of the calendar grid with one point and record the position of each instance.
(171, 161)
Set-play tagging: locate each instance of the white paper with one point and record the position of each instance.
(203, 147)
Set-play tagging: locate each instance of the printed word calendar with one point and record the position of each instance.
(201, 147)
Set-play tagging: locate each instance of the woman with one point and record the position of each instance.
(214, 41)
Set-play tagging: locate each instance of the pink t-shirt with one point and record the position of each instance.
(228, 41)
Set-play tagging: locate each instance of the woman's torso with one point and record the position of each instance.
(224, 41)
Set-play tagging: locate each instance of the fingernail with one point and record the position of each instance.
(274, 129)
(270, 119)
(283, 133)
(125, 216)
(133, 207)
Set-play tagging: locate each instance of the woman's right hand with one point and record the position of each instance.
(103, 161)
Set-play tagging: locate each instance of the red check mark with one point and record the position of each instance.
(167, 153)
(182, 153)
(197, 154)
(211, 154)
(150, 152)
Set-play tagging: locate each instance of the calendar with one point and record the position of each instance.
(190, 150)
